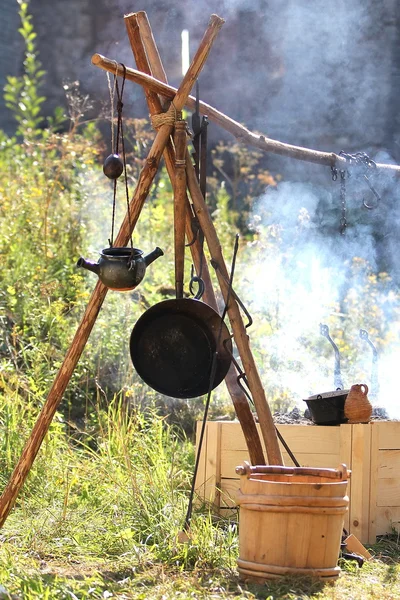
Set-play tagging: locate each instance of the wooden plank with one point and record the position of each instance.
(387, 519)
(374, 491)
(230, 459)
(345, 437)
(374, 472)
(389, 434)
(232, 437)
(360, 492)
(201, 472)
(218, 465)
(345, 442)
(388, 492)
(388, 464)
(212, 481)
(229, 488)
(300, 438)
(354, 545)
(311, 439)
(208, 478)
(314, 460)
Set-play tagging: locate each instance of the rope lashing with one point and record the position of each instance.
(166, 118)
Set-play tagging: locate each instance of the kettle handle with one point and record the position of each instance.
(364, 385)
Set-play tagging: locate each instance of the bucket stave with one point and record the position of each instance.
(291, 523)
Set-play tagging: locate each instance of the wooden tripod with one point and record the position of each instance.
(148, 60)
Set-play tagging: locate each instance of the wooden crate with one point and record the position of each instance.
(371, 451)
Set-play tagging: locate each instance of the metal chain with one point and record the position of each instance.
(343, 220)
(120, 133)
(112, 94)
(358, 160)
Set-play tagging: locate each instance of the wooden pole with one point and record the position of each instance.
(241, 133)
(63, 376)
(142, 57)
(179, 205)
(239, 331)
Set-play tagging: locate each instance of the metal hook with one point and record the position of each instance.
(195, 227)
(337, 378)
(364, 336)
(375, 193)
(201, 285)
(249, 323)
(374, 373)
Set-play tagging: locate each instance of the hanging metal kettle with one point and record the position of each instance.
(121, 269)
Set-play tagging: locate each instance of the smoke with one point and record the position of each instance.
(336, 72)
(320, 75)
(305, 272)
(317, 74)
(303, 71)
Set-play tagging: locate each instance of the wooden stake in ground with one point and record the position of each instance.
(63, 376)
(142, 57)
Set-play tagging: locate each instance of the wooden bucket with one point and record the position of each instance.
(290, 521)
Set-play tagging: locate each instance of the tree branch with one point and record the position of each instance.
(241, 133)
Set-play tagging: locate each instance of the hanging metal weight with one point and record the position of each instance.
(113, 166)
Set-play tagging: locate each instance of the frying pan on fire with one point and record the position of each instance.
(172, 347)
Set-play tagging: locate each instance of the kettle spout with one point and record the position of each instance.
(89, 265)
(151, 257)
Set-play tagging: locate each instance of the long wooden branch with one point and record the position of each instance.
(241, 133)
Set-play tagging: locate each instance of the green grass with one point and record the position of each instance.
(101, 511)
(29, 573)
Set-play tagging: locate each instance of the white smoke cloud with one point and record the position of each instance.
(305, 275)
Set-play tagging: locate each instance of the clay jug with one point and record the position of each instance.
(357, 407)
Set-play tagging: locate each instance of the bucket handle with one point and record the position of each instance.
(340, 473)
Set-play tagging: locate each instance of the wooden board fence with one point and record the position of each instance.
(371, 451)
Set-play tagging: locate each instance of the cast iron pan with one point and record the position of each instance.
(172, 347)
